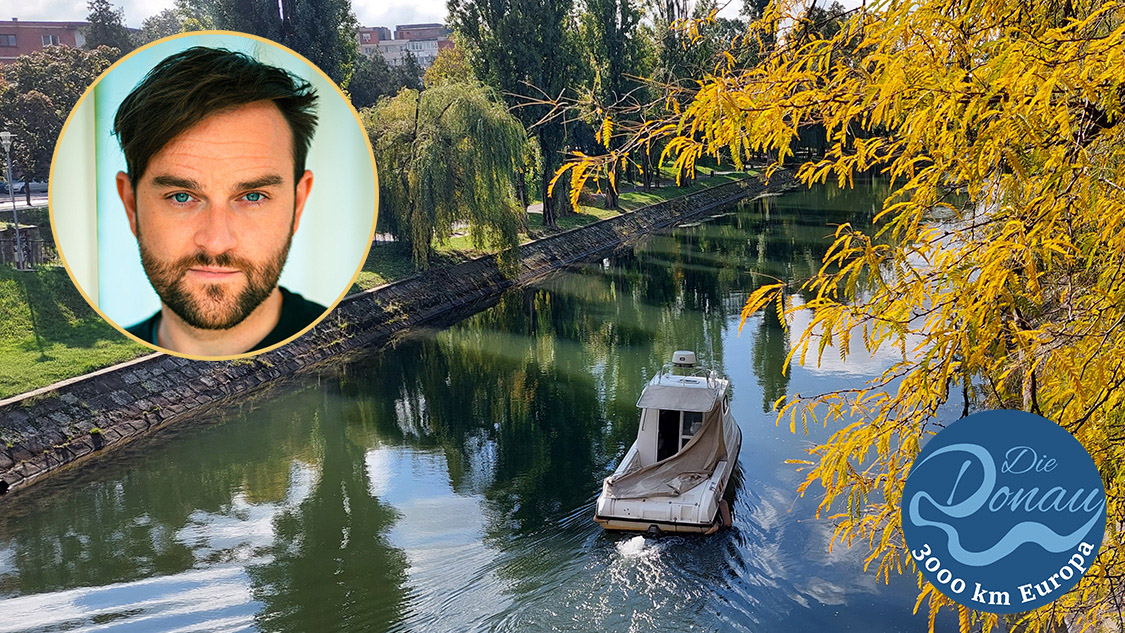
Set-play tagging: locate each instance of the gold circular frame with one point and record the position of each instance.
(94, 305)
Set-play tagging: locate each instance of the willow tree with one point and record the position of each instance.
(446, 156)
(995, 267)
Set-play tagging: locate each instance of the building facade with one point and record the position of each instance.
(23, 38)
(423, 41)
(430, 31)
(368, 38)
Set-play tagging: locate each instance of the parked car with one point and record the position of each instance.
(36, 187)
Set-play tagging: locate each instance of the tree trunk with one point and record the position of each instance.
(548, 200)
(611, 197)
(647, 175)
(520, 183)
(687, 176)
(560, 196)
(27, 192)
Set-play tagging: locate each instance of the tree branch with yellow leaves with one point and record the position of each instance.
(995, 268)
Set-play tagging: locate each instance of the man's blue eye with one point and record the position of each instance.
(181, 197)
(253, 197)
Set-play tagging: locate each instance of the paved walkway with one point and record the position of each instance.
(37, 200)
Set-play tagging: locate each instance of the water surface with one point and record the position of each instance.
(447, 483)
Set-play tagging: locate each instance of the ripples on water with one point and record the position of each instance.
(447, 483)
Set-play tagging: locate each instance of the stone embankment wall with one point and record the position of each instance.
(52, 427)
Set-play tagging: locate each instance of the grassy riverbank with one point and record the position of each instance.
(49, 333)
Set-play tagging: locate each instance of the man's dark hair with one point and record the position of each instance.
(191, 85)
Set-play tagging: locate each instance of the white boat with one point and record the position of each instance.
(673, 477)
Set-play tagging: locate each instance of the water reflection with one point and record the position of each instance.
(446, 484)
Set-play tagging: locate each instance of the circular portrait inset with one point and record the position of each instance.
(213, 195)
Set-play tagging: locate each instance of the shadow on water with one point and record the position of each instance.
(447, 483)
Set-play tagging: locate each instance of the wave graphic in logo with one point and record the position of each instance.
(1024, 532)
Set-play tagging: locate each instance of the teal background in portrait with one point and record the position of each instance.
(335, 227)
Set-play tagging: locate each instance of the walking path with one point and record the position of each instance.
(38, 200)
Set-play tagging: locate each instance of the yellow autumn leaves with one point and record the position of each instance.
(996, 270)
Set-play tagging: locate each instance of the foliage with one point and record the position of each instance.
(994, 267)
(447, 155)
(324, 32)
(450, 66)
(611, 38)
(374, 79)
(669, 51)
(107, 28)
(37, 93)
(411, 71)
(257, 17)
(527, 51)
(167, 22)
(321, 30)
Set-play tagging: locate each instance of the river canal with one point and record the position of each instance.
(447, 483)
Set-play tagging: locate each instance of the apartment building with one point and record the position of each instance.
(423, 41)
(25, 37)
(368, 38)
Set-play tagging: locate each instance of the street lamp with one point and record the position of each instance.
(6, 140)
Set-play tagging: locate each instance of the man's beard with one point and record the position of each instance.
(213, 306)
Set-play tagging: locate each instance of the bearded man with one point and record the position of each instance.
(215, 145)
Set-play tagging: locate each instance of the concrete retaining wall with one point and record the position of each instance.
(52, 427)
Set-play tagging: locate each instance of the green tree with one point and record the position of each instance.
(447, 155)
(610, 38)
(410, 73)
(321, 30)
(997, 275)
(324, 32)
(37, 93)
(526, 50)
(107, 28)
(257, 17)
(167, 22)
(450, 66)
(198, 15)
(372, 80)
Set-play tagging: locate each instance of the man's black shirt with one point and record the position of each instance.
(296, 313)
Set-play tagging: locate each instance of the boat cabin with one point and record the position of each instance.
(673, 410)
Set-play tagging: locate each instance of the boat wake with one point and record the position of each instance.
(637, 547)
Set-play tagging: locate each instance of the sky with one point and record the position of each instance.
(369, 12)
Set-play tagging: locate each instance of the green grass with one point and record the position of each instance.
(385, 263)
(636, 199)
(55, 336)
(391, 262)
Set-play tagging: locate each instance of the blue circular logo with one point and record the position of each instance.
(1003, 511)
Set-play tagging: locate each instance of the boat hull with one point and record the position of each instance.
(653, 525)
(698, 510)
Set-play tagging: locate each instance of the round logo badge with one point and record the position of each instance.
(1003, 511)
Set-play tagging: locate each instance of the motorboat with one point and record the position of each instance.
(674, 476)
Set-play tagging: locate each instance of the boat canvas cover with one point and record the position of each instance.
(678, 398)
(694, 464)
